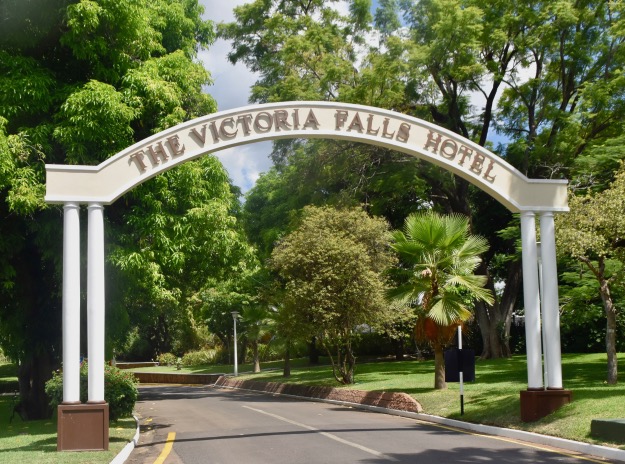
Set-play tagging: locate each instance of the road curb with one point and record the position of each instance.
(530, 437)
(126, 450)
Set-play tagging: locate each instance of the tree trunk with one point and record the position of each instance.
(439, 369)
(32, 377)
(256, 357)
(313, 352)
(242, 350)
(494, 321)
(610, 314)
(610, 346)
(400, 349)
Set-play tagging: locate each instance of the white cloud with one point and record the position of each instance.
(231, 89)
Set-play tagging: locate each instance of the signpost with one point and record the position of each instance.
(460, 367)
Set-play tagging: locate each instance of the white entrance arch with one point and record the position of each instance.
(101, 185)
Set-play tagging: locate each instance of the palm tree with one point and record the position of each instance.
(256, 320)
(440, 257)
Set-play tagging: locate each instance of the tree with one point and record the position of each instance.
(592, 233)
(179, 235)
(332, 266)
(545, 75)
(441, 257)
(79, 81)
(287, 329)
(256, 319)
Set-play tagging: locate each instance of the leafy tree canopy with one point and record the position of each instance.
(79, 81)
(332, 266)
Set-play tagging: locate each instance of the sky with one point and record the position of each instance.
(231, 89)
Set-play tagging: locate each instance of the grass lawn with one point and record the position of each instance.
(8, 378)
(493, 398)
(34, 442)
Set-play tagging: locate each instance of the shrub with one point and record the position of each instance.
(120, 390)
(167, 359)
(199, 358)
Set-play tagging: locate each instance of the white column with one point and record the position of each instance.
(532, 302)
(551, 306)
(542, 312)
(95, 303)
(71, 303)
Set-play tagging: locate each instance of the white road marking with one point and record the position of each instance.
(325, 434)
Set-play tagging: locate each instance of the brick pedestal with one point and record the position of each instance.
(83, 427)
(536, 404)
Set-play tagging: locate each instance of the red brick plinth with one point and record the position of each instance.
(83, 427)
(536, 404)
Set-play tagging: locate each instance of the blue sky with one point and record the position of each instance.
(231, 90)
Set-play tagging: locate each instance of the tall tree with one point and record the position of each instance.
(545, 75)
(79, 81)
(332, 266)
(441, 258)
(592, 233)
(179, 234)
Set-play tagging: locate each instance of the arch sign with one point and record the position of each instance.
(101, 185)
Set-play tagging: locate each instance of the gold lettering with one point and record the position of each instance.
(385, 133)
(214, 132)
(487, 175)
(245, 120)
(449, 154)
(223, 132)
(174, 145)
(157, 152)
(263, 117)
(201, 137)
(280, 118)
(311, 120)
(478, 163)
(138, 159)
(340, 117)
(466, 152)
(295, 119)
(370, 129)
(356, 124)
(433, 142)
(403, 134)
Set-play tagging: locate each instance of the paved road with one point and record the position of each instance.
(224, 426)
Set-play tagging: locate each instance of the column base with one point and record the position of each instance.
(83, 427)
(536, 404)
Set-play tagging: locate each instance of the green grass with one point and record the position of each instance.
(493, 399)
(34, 442)
(8, 378)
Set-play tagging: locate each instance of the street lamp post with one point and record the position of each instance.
(235, 315)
